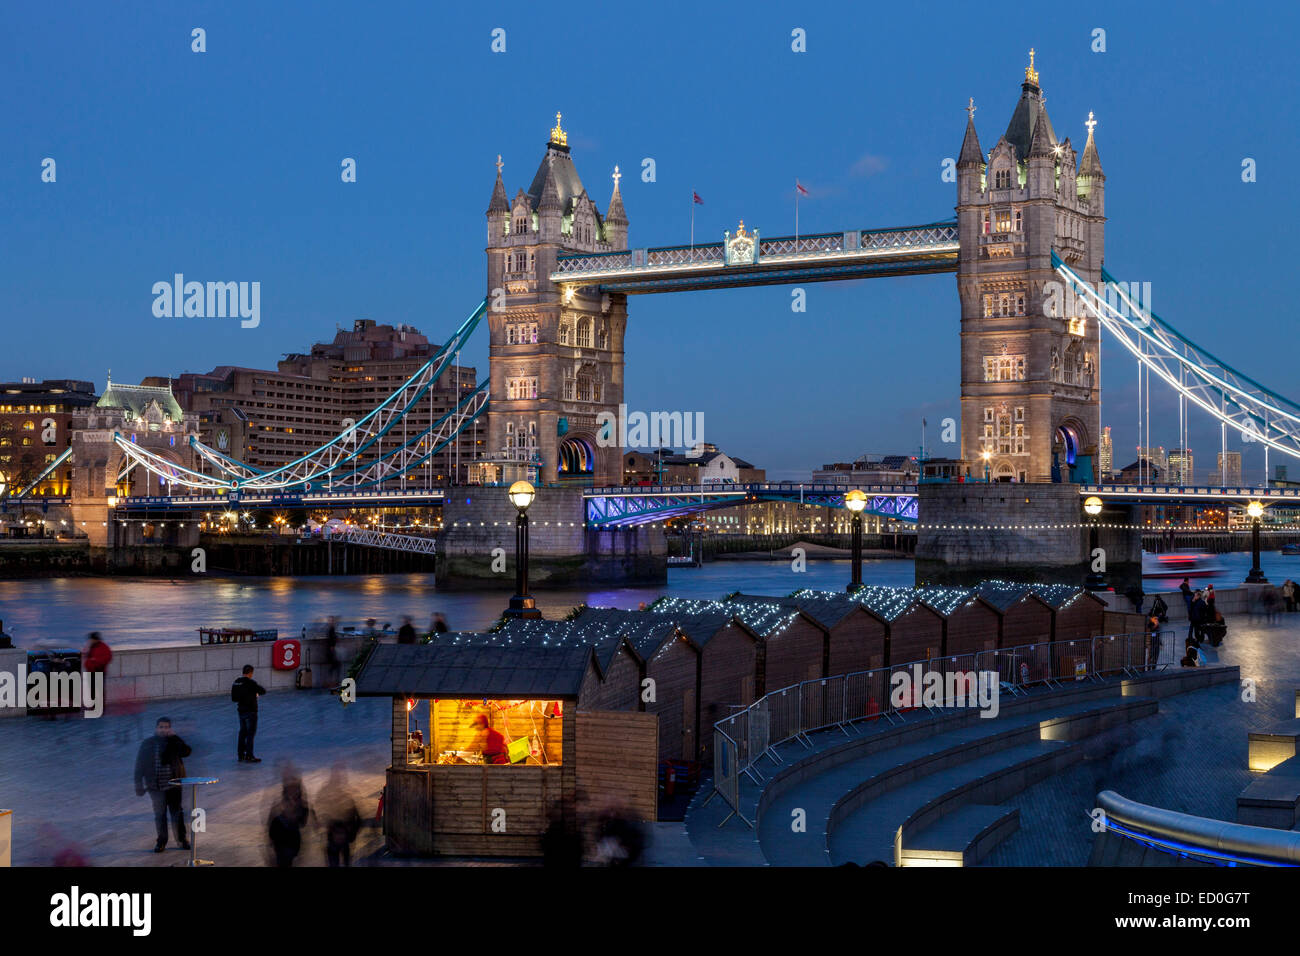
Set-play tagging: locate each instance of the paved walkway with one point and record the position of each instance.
(68, 780)
(1191, 757)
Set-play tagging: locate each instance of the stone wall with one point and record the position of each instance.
(198, 670)
(972, 531)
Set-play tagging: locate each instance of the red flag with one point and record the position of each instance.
(799, 186)
(696, 196)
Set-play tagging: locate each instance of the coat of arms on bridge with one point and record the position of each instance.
(742, 248)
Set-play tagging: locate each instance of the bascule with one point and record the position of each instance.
(1030, 221)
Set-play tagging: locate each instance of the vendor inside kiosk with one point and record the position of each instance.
(502, 732)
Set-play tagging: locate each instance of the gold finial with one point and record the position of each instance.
(558, 136)
(1031, 75)
(617, 177)
(740, 230)
(1090, 124)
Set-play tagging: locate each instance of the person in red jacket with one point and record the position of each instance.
(494, 744)
(96, 655)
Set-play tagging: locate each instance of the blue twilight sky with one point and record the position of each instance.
(225, 166)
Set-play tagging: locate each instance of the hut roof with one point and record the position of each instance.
(885, 602)
(470, 670)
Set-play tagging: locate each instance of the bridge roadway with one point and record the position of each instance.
(625, 506)
(748, 260)
(138, 506)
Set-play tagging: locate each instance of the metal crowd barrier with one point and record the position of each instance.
(792, 713)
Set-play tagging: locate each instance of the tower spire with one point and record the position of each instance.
(1031, 74)
(971, 154)
(499, 202)
(1090, 164)
(558, 136)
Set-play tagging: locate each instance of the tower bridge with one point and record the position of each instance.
(1030, 219)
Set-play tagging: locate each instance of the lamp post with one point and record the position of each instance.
(856, 501)
(522, 605)
(1096, 580)
(986, 455)
(1256, 575)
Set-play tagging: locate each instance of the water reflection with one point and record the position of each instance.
(135, 612)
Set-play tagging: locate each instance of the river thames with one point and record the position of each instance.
(139, 612)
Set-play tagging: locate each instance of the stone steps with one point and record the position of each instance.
(817, 796)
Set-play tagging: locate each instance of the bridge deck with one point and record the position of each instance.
(858, 254)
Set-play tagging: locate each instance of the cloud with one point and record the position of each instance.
(869, 164)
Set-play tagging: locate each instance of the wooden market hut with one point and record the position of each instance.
(616, 685)
(1025, 617)
(668, 684)
(970, 623)
(492, 743)
(1076, 614)
(855, 635)
(915, 630)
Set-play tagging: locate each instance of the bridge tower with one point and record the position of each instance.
(1030, 389)
(556, 358)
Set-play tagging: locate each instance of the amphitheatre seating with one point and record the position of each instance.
(960, 838)
(922, 790)
(868, 772)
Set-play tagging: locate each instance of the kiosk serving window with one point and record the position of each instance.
(497, 732)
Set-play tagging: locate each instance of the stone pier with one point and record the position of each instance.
(973, 531)
(562, 551)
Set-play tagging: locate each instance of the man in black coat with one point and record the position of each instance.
(1196, 616)
(158, 762)
(244, 692)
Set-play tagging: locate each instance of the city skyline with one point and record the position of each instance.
(247, 188)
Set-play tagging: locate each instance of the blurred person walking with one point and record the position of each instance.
(288, 816)
(96, 654)
(244, 692)
(158, 762)
(338, 816)
(332, 652)
(406, 633)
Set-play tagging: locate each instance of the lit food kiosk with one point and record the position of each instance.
(490, 746)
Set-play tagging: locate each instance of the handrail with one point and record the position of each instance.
(1185, 834)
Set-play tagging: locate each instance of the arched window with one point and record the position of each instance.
(584, 333)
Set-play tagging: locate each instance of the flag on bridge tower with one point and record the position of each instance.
(799, 190)
(695, 197)
(695, 201)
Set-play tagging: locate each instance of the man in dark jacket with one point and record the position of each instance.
(1196, 617)
(158, 762)
(244, 692)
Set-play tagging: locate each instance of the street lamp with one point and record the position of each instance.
(1256, 575)
(521, 495)
(856, 502)
(986, 455)
(1096, 579)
